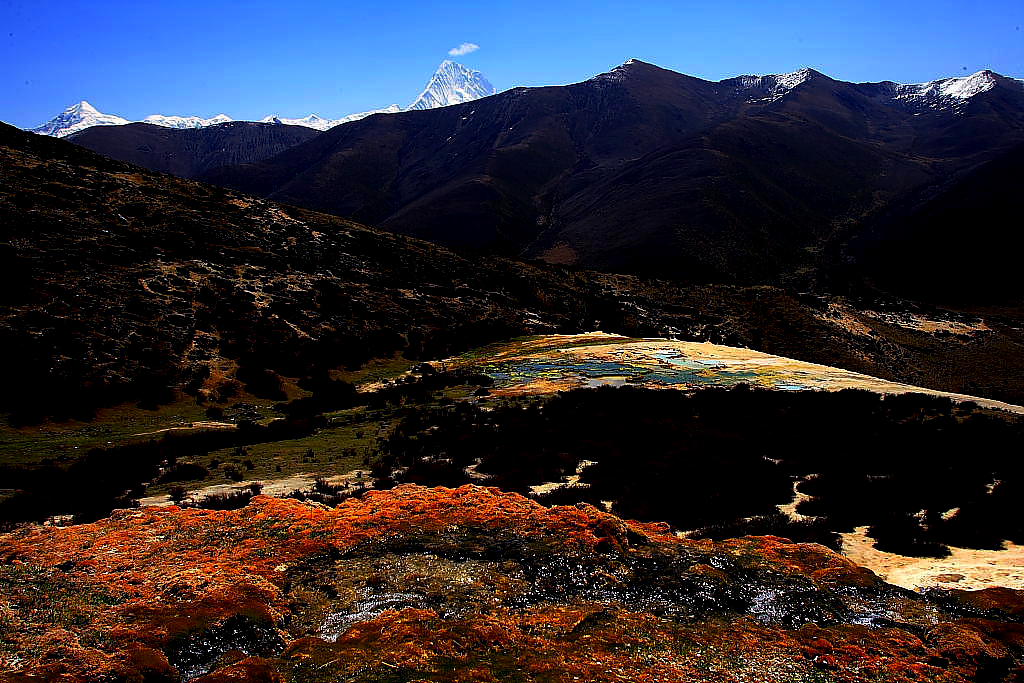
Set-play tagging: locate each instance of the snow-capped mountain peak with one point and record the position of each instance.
(945, 94)
(83, 108)
(619, 73)
(789, 81)
(452, 83)
(77, 117)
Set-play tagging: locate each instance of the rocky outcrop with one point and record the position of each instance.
(465, 584)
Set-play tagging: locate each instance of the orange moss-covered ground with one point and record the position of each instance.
(470, 584)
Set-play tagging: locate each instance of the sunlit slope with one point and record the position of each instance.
(551, 363)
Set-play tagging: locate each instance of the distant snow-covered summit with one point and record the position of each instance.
(83, 115)
(452, 83)
(320, 123)
(947, 92)
(186, 121)
(944, 93)
(75, 118)
(770, 87)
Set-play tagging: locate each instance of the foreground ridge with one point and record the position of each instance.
(468, 584)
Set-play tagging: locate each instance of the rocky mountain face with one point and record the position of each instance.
(751, 179)
(144, 280)
(191, 152)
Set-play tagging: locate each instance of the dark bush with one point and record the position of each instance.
(232, 473)
(328, 494)
(716, 457)
(185, 472)
(905, 535)
(232, 500)
(774, 524)
(177, 494)
(261, 382)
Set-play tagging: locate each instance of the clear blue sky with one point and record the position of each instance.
(248, 59)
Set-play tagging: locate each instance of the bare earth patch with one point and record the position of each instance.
(856, 321)
(921, 323)
(277, 488)
(965, 569)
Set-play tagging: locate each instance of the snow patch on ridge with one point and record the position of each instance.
(618, 73)
(312, 121)
(786, 82)
(318, 122)
(185, 121)
(944, 92)
(390, 109)
(960, 88)
(771, 87)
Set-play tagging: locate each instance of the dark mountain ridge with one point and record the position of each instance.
(641, 169)
(951, 241)
(190, 152)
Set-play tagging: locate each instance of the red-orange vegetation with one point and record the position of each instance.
(806, 559)
(467, 584)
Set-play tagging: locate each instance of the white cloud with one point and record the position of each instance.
(463, 49)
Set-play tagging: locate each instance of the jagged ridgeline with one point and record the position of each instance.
(452, 83)
(794, 179)
(644, 170)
